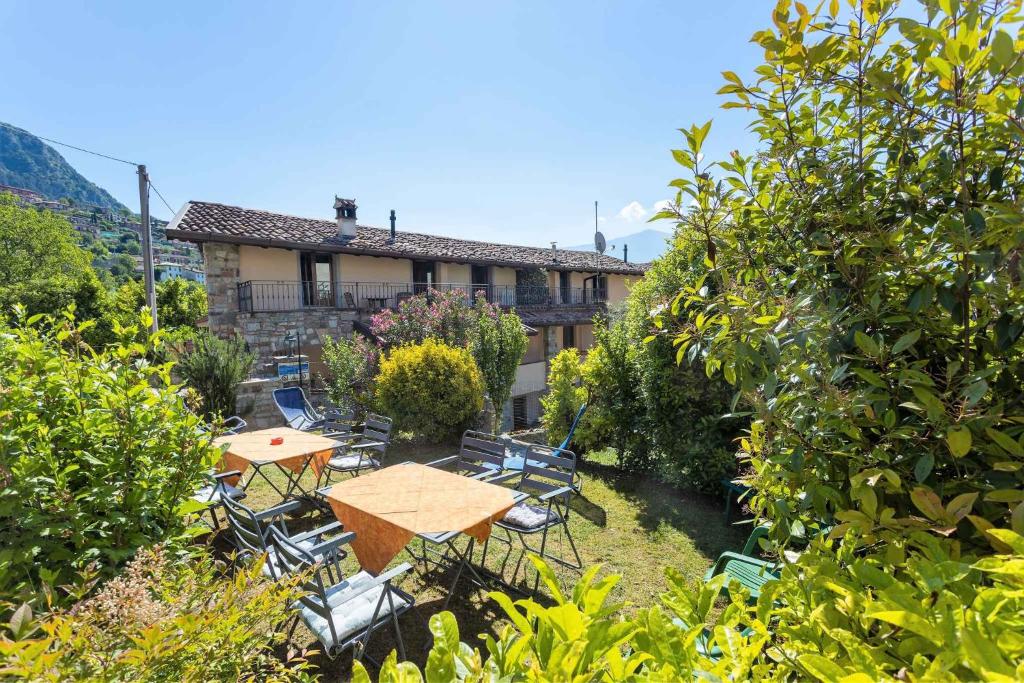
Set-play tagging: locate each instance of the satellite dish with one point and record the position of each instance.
(599, 243)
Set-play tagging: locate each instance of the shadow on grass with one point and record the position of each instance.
(698, 515)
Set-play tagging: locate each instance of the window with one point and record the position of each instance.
(422, 274)
(563, 285)
(568, 336)
(480, 277)
(317, 273)
(520, 419)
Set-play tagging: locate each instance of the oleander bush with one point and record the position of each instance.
(164, 618)
(431, 389)
(98, 453)
(351, 367)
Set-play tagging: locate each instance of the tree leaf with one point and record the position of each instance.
(958, 439)
(906, 341)
(1004, 441)
(923, 466)
(866, 344)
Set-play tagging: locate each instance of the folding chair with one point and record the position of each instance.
(517, 460)
(251, 533)
(215, 491)
(481, 456)
(548, 476)
(365, 451)
(299, 414)
(343, 612)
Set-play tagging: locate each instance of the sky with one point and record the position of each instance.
(499, 121)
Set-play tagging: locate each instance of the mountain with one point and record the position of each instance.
(644, 246)
(28, 162)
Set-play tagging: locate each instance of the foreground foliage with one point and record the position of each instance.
(163, 619)
(98, 453)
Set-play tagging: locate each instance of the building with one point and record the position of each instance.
(167, 270)
(270, 275)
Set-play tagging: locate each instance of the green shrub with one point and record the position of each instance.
(616, 415)
(564, 397)
(215, 367)
(351, 367)
(431, 389)
(499, 343)
(163, 619)
(97, 453)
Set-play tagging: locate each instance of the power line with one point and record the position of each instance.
(162, 198)
(64, 144)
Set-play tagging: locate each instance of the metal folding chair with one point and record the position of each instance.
(362, 451)
(548, 477)
(215, 491)
(299, 414)
(343, 612)
(251, 533)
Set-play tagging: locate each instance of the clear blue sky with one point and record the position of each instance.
(476, 119)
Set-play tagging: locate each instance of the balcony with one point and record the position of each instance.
(369, 297)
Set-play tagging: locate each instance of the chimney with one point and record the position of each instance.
(392, 225)
(625, 253)
(345, 212)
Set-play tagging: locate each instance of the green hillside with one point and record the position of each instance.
(28, 162)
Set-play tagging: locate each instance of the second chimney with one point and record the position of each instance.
(392, 225)
(345, 212)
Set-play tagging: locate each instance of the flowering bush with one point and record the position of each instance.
(432, 389)
(162, 619)
(351, 366)
(98, 453)
(446, 316)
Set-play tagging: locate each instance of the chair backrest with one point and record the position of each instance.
(234, 425)
(297, 561)
(292, 403)
(377, 428)
(572, 429)
(547, 469)
(250, 536)
(350, 301)
(481, 452)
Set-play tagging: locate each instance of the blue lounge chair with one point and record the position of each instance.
(299, 414)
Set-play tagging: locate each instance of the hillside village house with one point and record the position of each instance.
(270, 275)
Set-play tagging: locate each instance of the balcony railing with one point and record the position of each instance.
(278, 295)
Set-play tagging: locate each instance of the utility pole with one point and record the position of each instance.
(147, 244)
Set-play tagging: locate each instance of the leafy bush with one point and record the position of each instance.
(564, 397)
(215, 367)
(351, 367)
(161, 620)
(97, 455)
(179, 302)
(498, 345)
(863, 294)
(431, 389)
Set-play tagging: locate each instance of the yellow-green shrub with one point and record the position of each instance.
(564, 397)
(431, 389)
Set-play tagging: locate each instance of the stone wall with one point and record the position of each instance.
(221, 264)
(256, 403)
(265, 333)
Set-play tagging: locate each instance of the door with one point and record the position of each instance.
(317, 271)
(480, 277)
(563, 286)
(423, 275)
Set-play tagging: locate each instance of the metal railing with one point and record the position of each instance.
(281, 295)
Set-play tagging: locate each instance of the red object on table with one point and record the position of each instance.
(277, 441)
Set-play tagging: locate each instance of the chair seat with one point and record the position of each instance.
(352, 462)
(751, 576)
(215, 493)
(351, 615)
(272, 559)
(527, 517)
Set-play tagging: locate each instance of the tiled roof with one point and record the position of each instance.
(211, 222)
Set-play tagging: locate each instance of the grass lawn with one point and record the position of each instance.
(633, 526)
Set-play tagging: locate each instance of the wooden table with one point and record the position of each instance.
(297, 452)
(388, 508)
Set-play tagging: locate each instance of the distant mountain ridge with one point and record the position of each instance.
(28, 162)
(644, 246)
